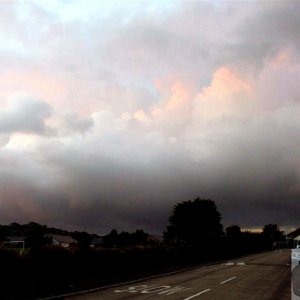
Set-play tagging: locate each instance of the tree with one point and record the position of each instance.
(194, 223)
(125, 239)
(272, 234)
(233, 232)
(83, 238)
(111, 240)
(35, 235)
(139, 237)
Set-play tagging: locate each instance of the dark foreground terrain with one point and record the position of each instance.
(255, 277)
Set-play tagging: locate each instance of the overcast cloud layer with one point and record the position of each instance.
(112, 112)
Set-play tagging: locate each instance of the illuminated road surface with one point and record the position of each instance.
(262, 276)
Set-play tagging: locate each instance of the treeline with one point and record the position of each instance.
(191, 223)
(126, 239)
(198, 223)
(36, 235)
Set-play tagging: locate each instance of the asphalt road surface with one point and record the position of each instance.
(256, 277)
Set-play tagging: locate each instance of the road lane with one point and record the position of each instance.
(263, 276)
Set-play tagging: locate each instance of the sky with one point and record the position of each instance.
(112, 112)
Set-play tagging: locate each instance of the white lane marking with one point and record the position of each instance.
(193, 296)
(173, 290)
(134, 289)
(153, 289)
(234, 264)
(228, 280)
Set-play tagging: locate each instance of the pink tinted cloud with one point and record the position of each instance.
(31, 83)
(64, 92)
(227, 95)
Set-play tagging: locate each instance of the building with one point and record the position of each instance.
(293, 238)
(97, 242)
(15, 241)
(155, 239)
(61, 240)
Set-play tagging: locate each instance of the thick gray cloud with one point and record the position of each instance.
(73, 123)
(267, 29)
(143, 107)
(24, 115)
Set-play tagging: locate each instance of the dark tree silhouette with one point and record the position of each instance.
(83, 238)
(111, 240)
(139, 237)
(125, 239)
(233, 232)
(272, 234)
(35, 234)
(194, 223)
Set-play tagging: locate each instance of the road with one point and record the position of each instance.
(256, 277)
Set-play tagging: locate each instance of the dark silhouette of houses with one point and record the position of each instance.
(15, 241)
(155, 239)
(61, 240)
(97, 242)
(293, 238)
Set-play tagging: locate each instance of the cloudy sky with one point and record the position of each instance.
(112, 112)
